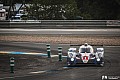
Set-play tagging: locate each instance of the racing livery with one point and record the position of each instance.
(85, 55)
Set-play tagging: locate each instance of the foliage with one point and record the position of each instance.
(62, 9)
(53, 9)
(100, 9)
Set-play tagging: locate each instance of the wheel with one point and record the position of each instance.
(101, 64)
(70, 64)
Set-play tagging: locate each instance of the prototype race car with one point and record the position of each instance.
(85, 55)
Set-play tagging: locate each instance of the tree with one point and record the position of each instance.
(53, 9)
(99, 9)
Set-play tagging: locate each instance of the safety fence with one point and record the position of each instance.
(60, 24)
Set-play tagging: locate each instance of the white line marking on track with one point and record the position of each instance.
(37, 72)
(40, 54)
(65, 67)
(54, 55)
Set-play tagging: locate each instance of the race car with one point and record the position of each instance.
(85, 55)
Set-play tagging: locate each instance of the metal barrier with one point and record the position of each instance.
(56, 24)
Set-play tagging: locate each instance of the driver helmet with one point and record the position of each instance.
(86, 44)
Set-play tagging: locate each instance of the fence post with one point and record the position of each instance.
(60, 53)
(12, 64)
(48, 50)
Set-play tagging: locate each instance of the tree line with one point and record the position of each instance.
(74, 9)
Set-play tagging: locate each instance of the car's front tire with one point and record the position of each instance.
(101, 63)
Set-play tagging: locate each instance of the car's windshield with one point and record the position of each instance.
(99, 50)
(83, 50)
(71, 50)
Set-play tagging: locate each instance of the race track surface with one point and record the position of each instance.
(62, 31)
(87, 72)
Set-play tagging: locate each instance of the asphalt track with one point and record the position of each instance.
(62, 31)
(91, 72)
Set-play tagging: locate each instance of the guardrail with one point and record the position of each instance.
(53, 24)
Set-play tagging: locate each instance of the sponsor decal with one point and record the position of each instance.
(85, 57)
(110, 77)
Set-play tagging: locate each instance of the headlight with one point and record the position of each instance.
(98, 59)
(72, 59)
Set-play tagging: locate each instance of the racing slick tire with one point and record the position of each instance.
(101, 63)
(70, 63)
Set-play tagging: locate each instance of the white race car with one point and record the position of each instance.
(85, 55)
